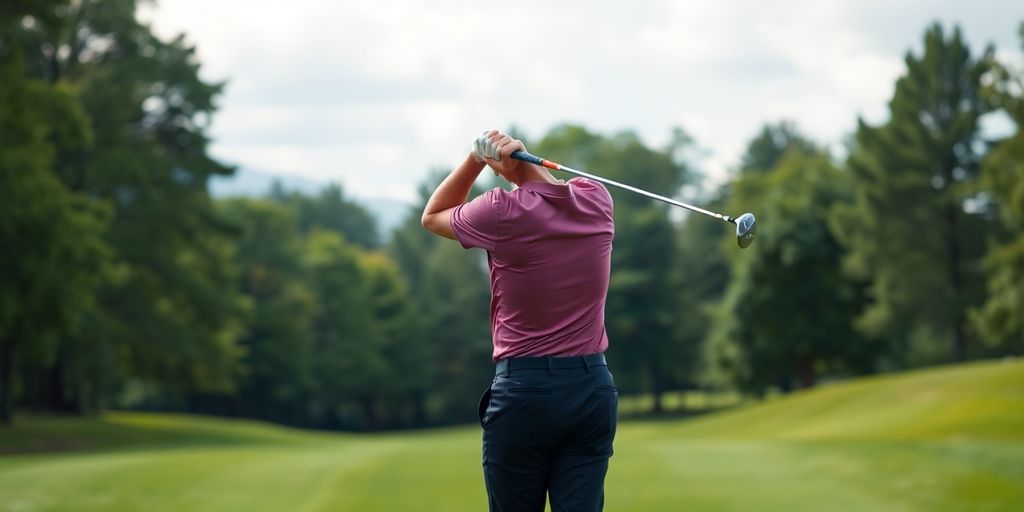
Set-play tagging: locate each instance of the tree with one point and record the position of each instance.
(330, 338)
(700, 275)
(350, 360)
(706, 273)
(53, 256)
(771, 144)
(403, 396)
(171, 318)
(788, 312)
(278, 356)
(1000, 319)
(449, 291)
(909, 231)
(333, 211)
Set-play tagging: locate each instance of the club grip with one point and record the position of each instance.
(526, 157)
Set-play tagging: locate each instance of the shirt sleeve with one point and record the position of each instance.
(475, 224)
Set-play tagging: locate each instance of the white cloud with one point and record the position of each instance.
(373, 94)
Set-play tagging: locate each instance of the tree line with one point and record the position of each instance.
(125, 284)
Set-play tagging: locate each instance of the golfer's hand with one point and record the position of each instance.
(495, 149)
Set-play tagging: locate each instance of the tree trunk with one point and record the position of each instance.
(56, 398)
(6, 381)
(46, 387)
(805, 369)
(656, 389)
(369, 413)
(953, 255)
(419, 407)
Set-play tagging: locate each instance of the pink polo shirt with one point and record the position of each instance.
(549, 251)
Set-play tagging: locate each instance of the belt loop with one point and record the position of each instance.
(586, 364)
(551, 365)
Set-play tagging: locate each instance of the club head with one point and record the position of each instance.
(746, 226)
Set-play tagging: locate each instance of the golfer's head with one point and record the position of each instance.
(510, 176)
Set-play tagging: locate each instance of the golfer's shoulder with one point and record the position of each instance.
(487, 205)
(495, 196)
(499, 199)
(593, 188)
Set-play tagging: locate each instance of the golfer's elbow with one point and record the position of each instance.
(438, 223)
(429, 221)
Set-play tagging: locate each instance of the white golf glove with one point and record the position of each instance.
(484, 148)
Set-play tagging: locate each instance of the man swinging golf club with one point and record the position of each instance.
(549, 415)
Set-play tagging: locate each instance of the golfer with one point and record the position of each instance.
(549, 415)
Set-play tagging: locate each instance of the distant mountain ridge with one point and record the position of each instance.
(250, 183)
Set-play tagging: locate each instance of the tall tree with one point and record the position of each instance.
(909, 231)
(173, 317)
(701, 273)
(705, 272)
(1001, 318)
(788, 312)
(403, 395)
(771, 144)
(277, 343)
(350, 360)
(53, 256)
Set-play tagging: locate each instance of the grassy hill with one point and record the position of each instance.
(978, 401)
(942, 439)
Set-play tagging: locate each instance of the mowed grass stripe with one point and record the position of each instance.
(733, 475)
(252, 478)
(441, 472)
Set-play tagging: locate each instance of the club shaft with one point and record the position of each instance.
(527, 157)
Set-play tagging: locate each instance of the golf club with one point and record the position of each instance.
(746, 225)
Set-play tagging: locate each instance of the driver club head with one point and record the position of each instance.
(746, 226)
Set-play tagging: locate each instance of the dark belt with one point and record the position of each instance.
(550, 363)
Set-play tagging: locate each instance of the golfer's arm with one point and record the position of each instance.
(453, 191)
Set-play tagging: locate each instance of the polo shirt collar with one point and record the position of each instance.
(547, 189)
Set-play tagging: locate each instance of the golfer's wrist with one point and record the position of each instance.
(475, 160)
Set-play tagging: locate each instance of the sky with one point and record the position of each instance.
(375, 94)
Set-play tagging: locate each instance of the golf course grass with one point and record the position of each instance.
(943, 439)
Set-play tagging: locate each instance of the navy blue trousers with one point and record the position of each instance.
(548, 427)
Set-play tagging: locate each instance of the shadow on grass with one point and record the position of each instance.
(673, 415)
(127, 431)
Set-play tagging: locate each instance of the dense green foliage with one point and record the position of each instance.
(958, 444)
(771, 145)
(1001, 319)
(911, 230)
(52, 238)
(126, 285)
(777, 326)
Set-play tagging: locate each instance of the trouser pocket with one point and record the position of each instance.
(607, 403)
(485, 401)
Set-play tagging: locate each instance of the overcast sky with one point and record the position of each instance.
(375, 93)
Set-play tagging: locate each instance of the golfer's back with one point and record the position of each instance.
(549, 250)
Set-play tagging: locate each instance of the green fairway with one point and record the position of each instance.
(943, 439)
